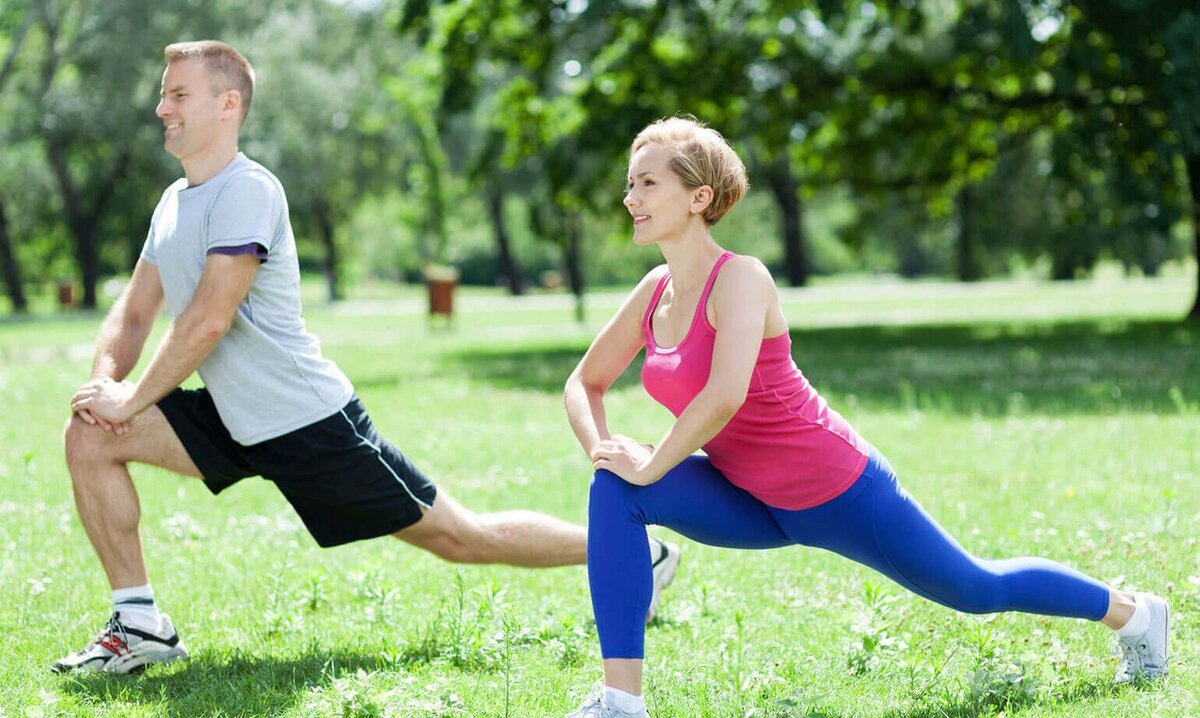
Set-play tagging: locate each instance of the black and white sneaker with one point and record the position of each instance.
(122, 649)
(664, 563)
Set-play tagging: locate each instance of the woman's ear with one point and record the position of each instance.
(702, 196)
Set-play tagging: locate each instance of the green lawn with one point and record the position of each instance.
(1030, 419)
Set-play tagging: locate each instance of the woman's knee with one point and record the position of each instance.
(608, 486)
(978, 591)
(608, 492)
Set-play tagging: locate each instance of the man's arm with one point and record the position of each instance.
(192, 336)
(124, 331)
(123, 334)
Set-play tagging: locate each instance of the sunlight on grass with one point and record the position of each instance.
(1030, 419)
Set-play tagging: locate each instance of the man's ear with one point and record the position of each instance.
(233, 103)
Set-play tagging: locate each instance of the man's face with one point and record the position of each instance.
(194, 113)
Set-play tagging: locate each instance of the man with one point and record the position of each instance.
(220, 252)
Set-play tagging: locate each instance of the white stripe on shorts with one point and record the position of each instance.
(379, 455)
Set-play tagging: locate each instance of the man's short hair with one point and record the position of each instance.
(228, 69)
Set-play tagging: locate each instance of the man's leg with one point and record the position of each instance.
(137, 634)
(453, 532)
(104, 493)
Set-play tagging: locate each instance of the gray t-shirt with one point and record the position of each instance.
(267, 375)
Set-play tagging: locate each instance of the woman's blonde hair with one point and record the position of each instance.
(225, 65)
(700, 156)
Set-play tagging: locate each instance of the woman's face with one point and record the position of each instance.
(655, 196)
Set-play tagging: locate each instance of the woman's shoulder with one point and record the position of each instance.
(743, 270)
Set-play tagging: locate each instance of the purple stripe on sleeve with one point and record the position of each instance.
(252, 248)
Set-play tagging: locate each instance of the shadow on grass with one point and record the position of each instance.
(233, 685)
(987, 369)
(972, 706)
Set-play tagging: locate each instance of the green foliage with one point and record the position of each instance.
(874, 632)
(966, 137)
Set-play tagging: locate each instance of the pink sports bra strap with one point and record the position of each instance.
(712, 278)
(662, 287)
(658, 292)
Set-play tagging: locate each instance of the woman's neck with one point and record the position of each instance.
(690, 258)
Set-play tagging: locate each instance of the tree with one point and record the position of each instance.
(89, 138)
(8, 260)
(91, 106)
(88, 101)
(319, 121)
(1131, 69)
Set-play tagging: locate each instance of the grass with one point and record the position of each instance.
(1030, 419)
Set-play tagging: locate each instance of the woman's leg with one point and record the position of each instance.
(693, 499)
(882, 526)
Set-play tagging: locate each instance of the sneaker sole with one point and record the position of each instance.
(130, 663)
(138, 662)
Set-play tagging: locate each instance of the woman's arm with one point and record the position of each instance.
(742, 297)
(610, 353)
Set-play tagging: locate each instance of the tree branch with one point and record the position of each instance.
(11, 60)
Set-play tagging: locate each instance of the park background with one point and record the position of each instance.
(983, 216)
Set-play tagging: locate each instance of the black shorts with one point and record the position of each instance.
(345, 480)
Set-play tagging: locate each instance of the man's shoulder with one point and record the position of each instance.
(246, 170)
(173, 189)
(248, 178)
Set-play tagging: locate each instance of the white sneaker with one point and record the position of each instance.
(1145, 656)
(593, 707)
(122, 649)
(664, 572)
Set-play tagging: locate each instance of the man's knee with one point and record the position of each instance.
(450, 532)
(85, 443)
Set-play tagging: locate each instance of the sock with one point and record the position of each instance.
(622, 701)
(137, 608)
(1139, 622)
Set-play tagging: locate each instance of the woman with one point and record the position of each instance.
(782, 467)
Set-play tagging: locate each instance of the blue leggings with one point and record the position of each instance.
(874, 522)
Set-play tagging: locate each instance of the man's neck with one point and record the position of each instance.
(203, 167)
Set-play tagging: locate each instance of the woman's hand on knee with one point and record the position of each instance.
(626, 458)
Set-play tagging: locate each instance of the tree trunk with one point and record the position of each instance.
(508, 262)
(1193, 169)
(325, 230)
(88, 257)
(784, 188)
(573, 258)
(12, 270)
(1062, 268)
(966, 258)
(83, 220)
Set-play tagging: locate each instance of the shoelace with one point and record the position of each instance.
(593, 698)
(113, 637)
(1131, 657)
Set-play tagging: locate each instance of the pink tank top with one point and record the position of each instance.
(784, 445)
